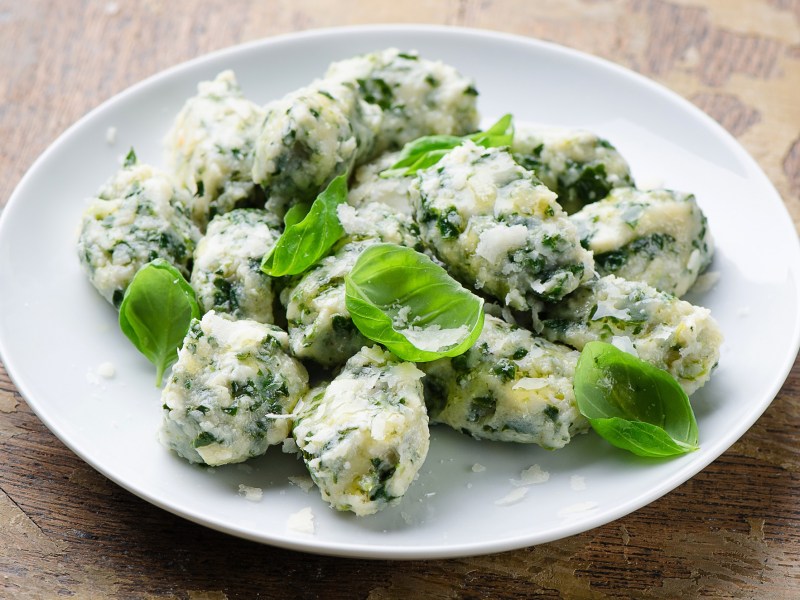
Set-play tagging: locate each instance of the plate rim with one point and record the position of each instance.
(439, 550)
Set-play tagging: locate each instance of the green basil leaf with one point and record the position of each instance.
(499, 134)
(156, 311)
(402, 299)
(633, 404)
(296, 214)
(502, 127)
(412, 151)
(426, 151)
(639, 437)
(306, 240)
(428, 159)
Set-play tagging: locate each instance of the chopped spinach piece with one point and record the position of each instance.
(551, 412)
(505, 370)
(435, 393)
(376, 91)
(481, 408)
(204, 439)
(130, 159)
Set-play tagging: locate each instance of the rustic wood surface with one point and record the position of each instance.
(733, 531)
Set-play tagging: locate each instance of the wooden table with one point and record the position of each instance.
(732, 531)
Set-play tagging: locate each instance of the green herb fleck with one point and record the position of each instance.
(204, 439)
(130, 159)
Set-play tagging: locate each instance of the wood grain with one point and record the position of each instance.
(733, 531)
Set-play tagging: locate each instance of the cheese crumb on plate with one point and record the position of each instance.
(532, 475)
(512, 497)
(577, 483)
(302, 521)
(302, 481)
(254, 494)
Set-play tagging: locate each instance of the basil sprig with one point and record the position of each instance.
(309, 233)
(632, 404)
(156, 311)
(426, 151)
(402, 299)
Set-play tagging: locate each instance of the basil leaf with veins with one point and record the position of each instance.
(156, 311)
(402, 299)
(296, 214)
(308, 237)
(632, 404)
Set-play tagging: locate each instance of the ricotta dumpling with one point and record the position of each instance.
(498, 228)
(362, 107)
(137, 216)
(231, 392)
(659, 237)
(227, 275)
(364, 436)
(309, 137)
(510, 386)
(578, 165)
(210, 148)
(417, 97)
(655, 326)
(320, 327)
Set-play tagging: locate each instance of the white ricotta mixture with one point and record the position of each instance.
(606, 308)
(137, 216)
(227, 275)
(368, 186)
(497, 228)
(659, 237)
(231, 391)
(320, 327)
(289, 446)
(210, 148)
(667, 332)
(417, 97)
(495, 243)
(510, 386)
(577, 165)
(309, 137)
(365, 435)
(362, 107)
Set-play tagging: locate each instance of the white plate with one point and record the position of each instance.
(55, 330)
